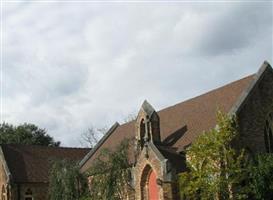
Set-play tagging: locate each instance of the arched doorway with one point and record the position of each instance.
(149, 187)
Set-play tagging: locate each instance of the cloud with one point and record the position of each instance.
(237, 28)
(70, 65)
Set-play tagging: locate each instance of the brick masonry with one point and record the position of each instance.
(39, 190)
(253, 113)
(148, 157)
(147, 162)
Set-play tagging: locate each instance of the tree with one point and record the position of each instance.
(130, 117)
(261, 177)
(216, 170)
(65, 181)
(92, 136)
(110, 174)
(25, 134)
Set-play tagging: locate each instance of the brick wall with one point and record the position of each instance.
(251, 117)
(142, 170)
(147, 161)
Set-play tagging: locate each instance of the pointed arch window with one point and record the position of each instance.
(268, 133)
(28, 195)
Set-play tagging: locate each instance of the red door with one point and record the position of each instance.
(153, 190)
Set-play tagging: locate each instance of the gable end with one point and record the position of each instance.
(248, 91)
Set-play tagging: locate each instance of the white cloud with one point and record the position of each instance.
(70, 65)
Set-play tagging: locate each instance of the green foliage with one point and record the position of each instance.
(215, 169)
(25, 134)
(66, 182)
(110, 174)
(261, 177)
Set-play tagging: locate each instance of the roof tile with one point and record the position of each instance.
(182, 123)
(31, 163)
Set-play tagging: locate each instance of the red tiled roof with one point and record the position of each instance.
(31, 163)
(182, 123)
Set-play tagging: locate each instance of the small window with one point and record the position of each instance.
(268, 133)
(29, 195)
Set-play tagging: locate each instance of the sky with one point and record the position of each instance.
(68, 66)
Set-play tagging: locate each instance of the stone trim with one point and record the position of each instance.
(157, 152)
(165, 164)
(147, 108)
(97, 146)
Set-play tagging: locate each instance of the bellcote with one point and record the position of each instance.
(147, 125)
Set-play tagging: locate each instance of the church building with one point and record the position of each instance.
(24, 169)
(161, 137)
(160, 140)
